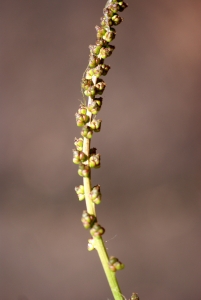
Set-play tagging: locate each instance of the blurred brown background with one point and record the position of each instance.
(150, 144)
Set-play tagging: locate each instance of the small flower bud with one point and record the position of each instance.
(91, 244)
(79, 156)
(94, 61)
(84, 170)
(91, 91)
(81, 120)
(99, 101)
(122, 6)
(95, 194)
(94, 49)
(79, 189)
(76, 158)
(95, 125)
(118, 266)
(87, 132)
(106, 22)
(115, 264)
(109, 36)
(108, 13)
(100, 86)
(112, 260)
(94, 161)
(100, 31)
(114, 7)
(134, 296)
(105, 69)
(116, 19)
(89, 74)
(78, 144)
(80, 192)
(97, 230)
(82, 110)
(86, 83)
(106, 52)
(81, 197)
(87, 219)
(98, 71)
(94, 107)
(112, 268)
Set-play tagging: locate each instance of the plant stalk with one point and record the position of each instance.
(99, 244)
(111, 276)
(92, 86)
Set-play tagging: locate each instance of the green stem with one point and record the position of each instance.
(111, 276)
(87, 189)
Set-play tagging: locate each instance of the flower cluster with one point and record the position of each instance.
(115, 264)
(78, 144)
(84, 170)
(80, 192)
(97, 230)
(87, 219)
(79, 156)
(93, 86)
(95, 194)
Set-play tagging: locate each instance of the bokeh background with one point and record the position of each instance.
(150, 144)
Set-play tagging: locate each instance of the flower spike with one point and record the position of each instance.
(85, 156)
